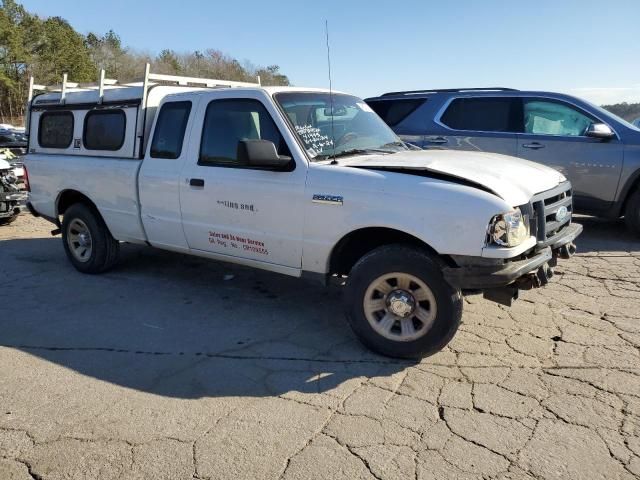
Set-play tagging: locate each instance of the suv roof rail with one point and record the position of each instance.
(451, 90)
(148, 77)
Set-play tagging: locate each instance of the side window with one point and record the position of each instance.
(395, 111)
(545, 117)
(227, 122)
(55, 129)
(170, 127)
(104, 129)
(484, 114)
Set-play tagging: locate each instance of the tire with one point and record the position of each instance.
(100, 248)
(632, 212)
(8, 220)
(373, 292)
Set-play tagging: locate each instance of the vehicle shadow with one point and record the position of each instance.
(180, 326)
(604, 236)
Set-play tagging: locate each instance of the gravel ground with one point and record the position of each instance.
(174, 367)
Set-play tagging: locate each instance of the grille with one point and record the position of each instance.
(543, 210)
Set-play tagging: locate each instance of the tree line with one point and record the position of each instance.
(48, 47)
(628, 111)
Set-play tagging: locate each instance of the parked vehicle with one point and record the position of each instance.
(596, 150)
(303, 182)
(636, 122)
(12, 198)
(13, 140)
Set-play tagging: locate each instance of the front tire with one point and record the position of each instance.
(87, 240)
(8, 220)
(632, 212)
(399, 304)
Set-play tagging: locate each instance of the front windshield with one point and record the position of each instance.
(356, 129)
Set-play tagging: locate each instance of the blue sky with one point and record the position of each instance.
(583, 47)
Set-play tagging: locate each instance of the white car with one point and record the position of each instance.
(303, 182)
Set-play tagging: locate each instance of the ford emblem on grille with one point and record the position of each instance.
(562, 213)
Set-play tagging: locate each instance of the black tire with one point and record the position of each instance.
(419, 264)
(8, 220)
(104, 248)
(632, 212)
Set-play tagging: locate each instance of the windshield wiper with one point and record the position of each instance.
(404, 145)
(354, 151)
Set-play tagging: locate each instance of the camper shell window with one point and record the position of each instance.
(55, 130)
(104, 130)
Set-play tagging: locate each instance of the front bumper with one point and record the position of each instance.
(501, 280)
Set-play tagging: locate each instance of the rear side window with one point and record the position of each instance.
(170, 127)
(55, 129)
(227, 122)
(484, 114)
(104, 129)
(395, 111)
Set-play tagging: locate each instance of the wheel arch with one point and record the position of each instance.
(630, 186)
(69, 197)
(357, 243)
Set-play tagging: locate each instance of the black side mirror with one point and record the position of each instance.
(600, 130)
(261, 153)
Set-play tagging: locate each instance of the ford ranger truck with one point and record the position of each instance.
(302, 182)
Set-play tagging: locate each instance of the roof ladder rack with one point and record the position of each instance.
(104, 81)
(194, 81)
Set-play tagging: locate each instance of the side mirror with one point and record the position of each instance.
(261, 153)
(599, 130)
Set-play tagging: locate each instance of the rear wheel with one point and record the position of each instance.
(399, 304)
(632, 212)
(87, 240)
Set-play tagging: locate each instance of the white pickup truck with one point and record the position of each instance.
(299, 181)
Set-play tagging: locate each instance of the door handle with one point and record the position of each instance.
(437, 140)
(533, 146)
(196, 182)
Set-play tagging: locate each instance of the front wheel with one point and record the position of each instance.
(8, 220)
(399, 304)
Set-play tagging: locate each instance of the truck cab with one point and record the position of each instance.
(299, 181)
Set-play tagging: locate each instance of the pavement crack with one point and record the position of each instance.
(226, 356)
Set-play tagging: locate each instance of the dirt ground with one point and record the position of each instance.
(173, 367)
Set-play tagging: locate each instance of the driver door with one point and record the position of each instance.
(237, 210)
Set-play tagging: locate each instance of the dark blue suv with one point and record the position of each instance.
(598, 151)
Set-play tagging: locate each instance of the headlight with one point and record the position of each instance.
(508, 229)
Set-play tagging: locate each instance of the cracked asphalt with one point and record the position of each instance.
(172, 367)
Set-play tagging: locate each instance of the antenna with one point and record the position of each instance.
(333, 136)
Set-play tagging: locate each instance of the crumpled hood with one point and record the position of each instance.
(513, 179)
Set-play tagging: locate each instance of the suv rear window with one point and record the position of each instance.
(55, 129)
(104, 129)
(395, 111)
(484, 114)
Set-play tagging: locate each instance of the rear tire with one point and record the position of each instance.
(87, 240)
(632, 212)
(399, 304)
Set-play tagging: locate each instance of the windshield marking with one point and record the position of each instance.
(313, 138)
